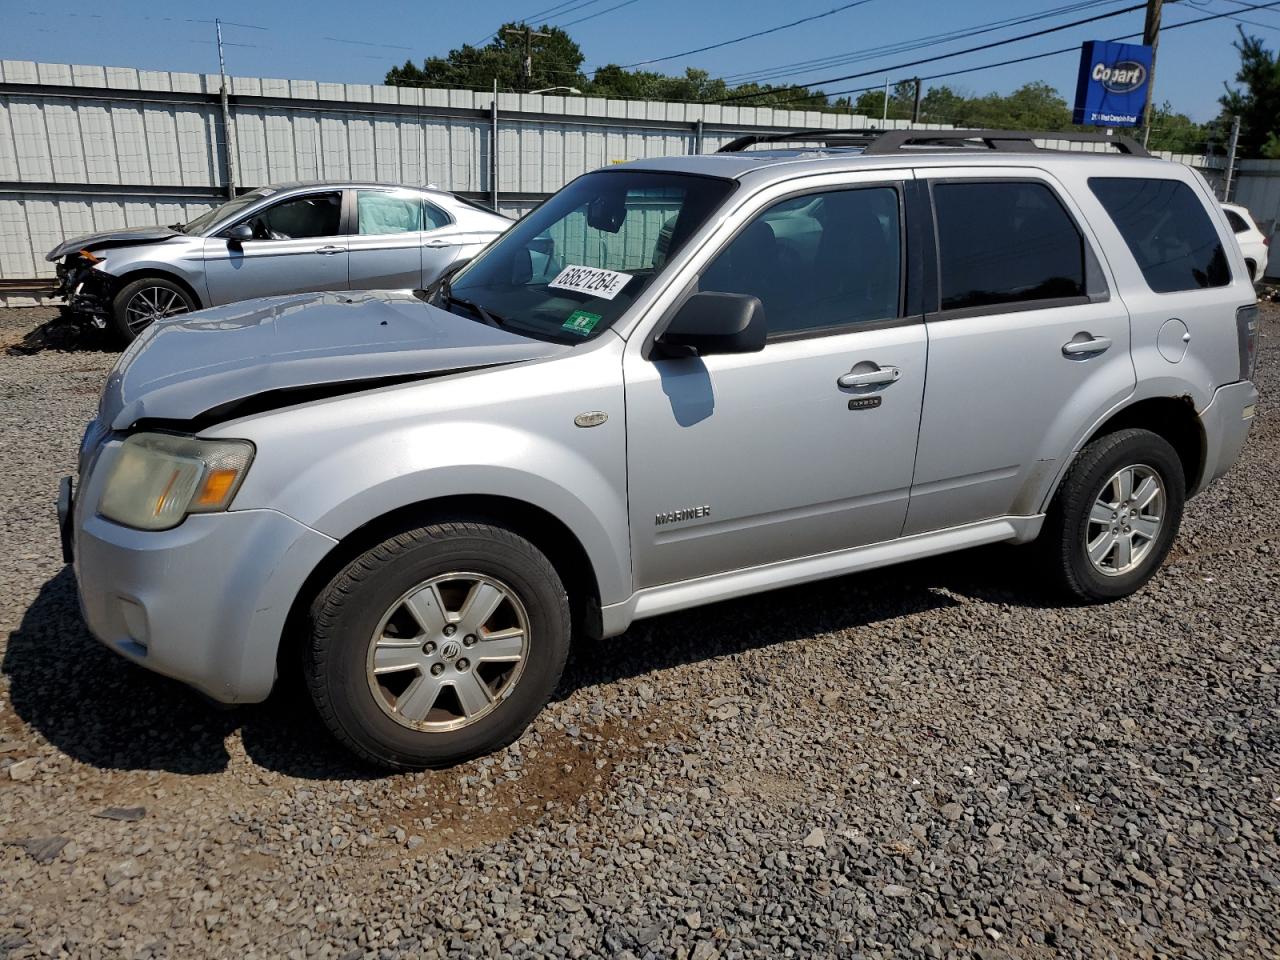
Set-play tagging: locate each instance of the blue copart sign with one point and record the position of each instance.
(1112, 88)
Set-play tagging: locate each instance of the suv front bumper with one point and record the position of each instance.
(1226, 421)
(205, 602)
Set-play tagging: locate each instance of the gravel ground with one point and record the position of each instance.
(930, 760)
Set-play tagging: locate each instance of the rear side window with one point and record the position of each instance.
(1167, 231)
(1005, 242)
(1237, 222)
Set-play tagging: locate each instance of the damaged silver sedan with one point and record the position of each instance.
(293, 238)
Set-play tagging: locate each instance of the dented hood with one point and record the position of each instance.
(182, 368)
(127, 236)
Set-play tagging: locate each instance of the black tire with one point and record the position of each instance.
(165, 293)
(1066, 529)
(348, 612)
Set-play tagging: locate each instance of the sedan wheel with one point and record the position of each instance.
(151, 304)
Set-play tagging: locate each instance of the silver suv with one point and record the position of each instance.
(677, 381)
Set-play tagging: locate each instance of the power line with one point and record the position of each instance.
(749, 36)
(625, 3)
(1036, 56)
(854, 56)
(957, 53)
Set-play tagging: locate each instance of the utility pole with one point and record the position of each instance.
(529, 34)
(1231, 158)
(884, 120)
(915, 110)
(228, 132)
(1151, 37)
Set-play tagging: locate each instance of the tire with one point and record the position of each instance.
(132, 308)
(1071, 527)
(385, 609)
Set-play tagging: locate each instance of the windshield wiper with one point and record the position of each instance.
(488, 317)
(177, 227)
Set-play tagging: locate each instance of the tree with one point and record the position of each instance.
(1258, 104)
(557, 61)
(1179, 133)
(901, 102)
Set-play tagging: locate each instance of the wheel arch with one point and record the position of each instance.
(540, 527)
(143, 272)
(1173, 418)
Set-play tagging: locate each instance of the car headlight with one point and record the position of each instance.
(159, 478)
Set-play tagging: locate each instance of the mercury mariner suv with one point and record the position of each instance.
(678, 381)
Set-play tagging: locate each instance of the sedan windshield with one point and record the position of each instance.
(572, 267)
(229, 209)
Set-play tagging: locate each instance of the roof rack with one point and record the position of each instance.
(882, 142)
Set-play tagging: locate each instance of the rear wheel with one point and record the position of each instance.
(1115, 516)
(438, 645)
(142, 302)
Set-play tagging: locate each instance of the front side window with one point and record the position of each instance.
(1005, 242)
(1167, 230)
(817, 261)
(570, 269)
(226, 211)
(384, 211)
(315, 215)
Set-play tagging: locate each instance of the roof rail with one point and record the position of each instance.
(1014, 141)
(882, 142)
(830, 138)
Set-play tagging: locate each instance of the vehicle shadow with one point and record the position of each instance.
(62, 333)
(102, 710)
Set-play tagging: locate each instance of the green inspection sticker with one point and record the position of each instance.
(581, 322)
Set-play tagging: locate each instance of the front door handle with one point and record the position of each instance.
(329, 250)
(1075, 348)
(870, 378)
(437, 244)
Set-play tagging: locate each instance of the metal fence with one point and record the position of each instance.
(85, 148)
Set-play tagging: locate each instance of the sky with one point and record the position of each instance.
(339, 40)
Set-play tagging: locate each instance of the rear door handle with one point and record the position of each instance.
(437, 244)
(1074, 348)
(329, 250)
(870, 378)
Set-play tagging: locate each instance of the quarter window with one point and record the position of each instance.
(1005, 242)
(1167, 231)
(1237, 222)
(817, 261)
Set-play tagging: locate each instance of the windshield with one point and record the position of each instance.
(226, 210)
(572, 267)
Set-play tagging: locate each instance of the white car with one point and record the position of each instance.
(1253, 244)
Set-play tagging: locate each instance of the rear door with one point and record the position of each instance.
(1028, 341)
(298, 245)
(386, 239)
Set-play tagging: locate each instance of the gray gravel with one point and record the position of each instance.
(931, 760)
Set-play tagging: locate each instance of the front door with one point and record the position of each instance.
(297, 246)
(806, 447)
(1029, 343)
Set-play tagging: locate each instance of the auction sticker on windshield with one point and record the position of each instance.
(581, 322)
(605, 284)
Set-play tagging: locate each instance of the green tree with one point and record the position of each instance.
(902, 101)
(1258, 103)
(1178, 132)
(557, 61)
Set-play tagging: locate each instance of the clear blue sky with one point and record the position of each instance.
(1193, 62)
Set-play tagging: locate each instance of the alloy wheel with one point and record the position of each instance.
(1125, 520)
(151, 304)
(448, 651)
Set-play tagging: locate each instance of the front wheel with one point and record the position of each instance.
(438, 645)
(142, 302)
(1115, 516)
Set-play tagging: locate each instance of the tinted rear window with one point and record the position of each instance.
(1005, 242)
(1167, 230)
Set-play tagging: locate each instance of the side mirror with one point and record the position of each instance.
(239, 233)
(711, 322)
